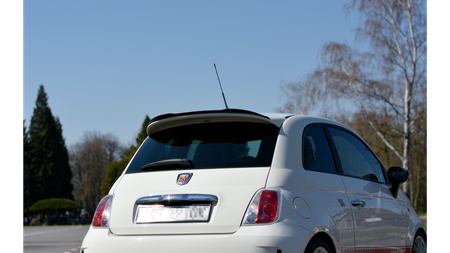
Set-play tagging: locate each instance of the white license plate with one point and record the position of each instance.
(161, 213)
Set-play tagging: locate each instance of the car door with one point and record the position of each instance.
(380, 221)
(322, 188)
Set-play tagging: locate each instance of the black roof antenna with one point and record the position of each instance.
(223, 95)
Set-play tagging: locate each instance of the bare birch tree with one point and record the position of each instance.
(391, 77)
(303, 96)
(89, 160)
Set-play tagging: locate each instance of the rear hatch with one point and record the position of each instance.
(195, 174)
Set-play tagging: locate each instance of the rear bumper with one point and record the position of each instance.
(252, 239)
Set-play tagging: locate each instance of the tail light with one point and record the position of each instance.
(102, 213)
(263, 208)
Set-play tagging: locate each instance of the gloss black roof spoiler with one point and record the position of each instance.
(170, 120)
(171, 115)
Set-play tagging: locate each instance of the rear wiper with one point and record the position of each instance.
(176, 163)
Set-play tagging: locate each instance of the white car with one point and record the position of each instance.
(237, 181)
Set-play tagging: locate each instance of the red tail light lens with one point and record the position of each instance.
(102, 213)
(268, 207)
(263, 207)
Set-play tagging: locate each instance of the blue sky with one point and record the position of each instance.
(106, 64)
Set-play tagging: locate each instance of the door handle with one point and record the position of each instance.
(358, 203)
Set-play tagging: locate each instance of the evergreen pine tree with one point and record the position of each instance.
(143, 131)
(49, 158)
(29, 178)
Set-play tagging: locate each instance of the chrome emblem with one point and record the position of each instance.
(184, 178)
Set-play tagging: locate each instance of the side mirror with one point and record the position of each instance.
(396, 176)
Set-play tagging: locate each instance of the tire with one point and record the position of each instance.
(318, 246)
(420, 243)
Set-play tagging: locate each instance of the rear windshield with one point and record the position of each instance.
(210, 145)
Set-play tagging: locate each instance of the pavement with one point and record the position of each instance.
(60, 239)
(53, 239)
(423, 217)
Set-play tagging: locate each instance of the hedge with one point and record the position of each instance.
(54, 204)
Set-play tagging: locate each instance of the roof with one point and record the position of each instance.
(278, 118)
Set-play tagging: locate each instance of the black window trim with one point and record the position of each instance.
(329, 145)
(336, 157)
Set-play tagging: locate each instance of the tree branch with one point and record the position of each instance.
(352, 87)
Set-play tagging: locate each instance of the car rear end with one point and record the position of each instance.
(197, 184)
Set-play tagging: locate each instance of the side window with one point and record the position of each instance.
(356, 158)
(316, 152)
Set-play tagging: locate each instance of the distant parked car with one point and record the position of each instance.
(237, 181)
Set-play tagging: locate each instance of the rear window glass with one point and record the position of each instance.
(210, 145)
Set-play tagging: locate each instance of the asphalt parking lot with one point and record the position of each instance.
(53, 239)
(58, 239)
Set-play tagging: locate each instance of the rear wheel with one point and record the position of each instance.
(318, 246)
(420, 243)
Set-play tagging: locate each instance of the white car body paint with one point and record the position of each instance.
(312, 203)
